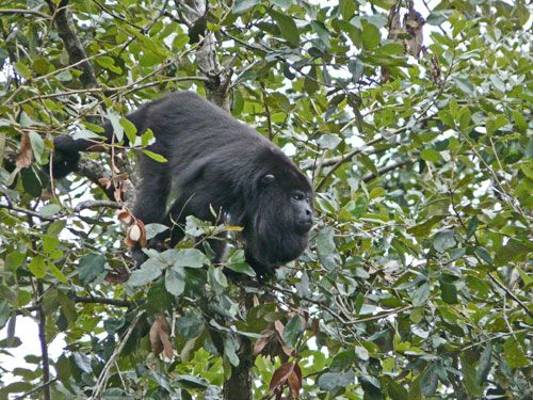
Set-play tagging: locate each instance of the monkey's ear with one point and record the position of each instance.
(267, 179)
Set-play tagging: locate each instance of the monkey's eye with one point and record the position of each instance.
(298, 196)
(267, 179)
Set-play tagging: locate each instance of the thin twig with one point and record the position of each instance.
(35, 389)
(9, 11)
(509, 293)
(102, 300)
(28, 212)
(44, 346)
(384, 170)
(104, 375)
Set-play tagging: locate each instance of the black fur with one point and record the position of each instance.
(215, 163)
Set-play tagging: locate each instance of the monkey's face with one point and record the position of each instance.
(277, 231)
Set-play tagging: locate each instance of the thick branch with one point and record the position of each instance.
(97, 204)
(72, 43)
(94, 172)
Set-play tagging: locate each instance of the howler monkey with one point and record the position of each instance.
(214, 163)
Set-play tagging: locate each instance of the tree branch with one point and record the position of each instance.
(72, 43)
(102, 300)
(344, 159)
(104, 375)
(11, 11)
(384, 170)
(42, 339)
(28, 212)
(35, 390)
(97, 204)
(338, 161)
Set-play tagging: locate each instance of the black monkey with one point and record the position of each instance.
(214, 163)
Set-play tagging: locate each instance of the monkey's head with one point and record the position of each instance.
(280, 215)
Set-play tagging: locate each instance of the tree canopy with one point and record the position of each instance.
(413, 120)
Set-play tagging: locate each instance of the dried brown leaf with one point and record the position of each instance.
(295, 381)
(266, 336)
(288, 374)
(280, 376)
(24, 155)
(159, 337)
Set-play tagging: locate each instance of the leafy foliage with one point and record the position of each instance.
(417, 283)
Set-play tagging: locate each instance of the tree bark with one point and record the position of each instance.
(240, 386)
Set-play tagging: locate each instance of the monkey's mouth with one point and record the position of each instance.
(304, 227)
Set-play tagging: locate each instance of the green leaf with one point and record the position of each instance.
(420, 295)
(362, 353)
(513, 250)
(175, 281)
(241, 6)
(129, 129)
(149, 271)
(230, 350)
(189, 326)
(14, 260)
(469, 362)
(464, 85)
(49, 210)
(154, 156)
(397, 391)
(520, 121)
(217, 278)
(236, 262)
(118, 130)
(287, 26)
(332, 381)
(496, 123)
(370, 35)
(448, 292)
(483, 254)
(513, 353)
(293, 330)
(40, 66)
(347, 8)
(484, 364)
(429, 381)
(328, 141)
(37, 267)
(154, 229)
(108, 63)
(57, 273)
(430, 155)
(37, 145)
(90, 267)
(191, 258)
(23, 69)
(444, 240)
